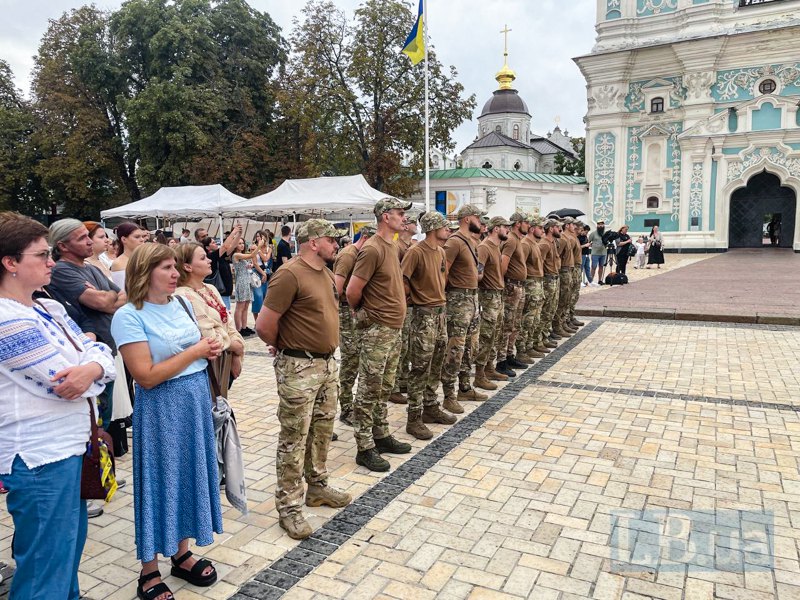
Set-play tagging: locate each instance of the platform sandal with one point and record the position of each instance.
(195, 576)
(154, 592)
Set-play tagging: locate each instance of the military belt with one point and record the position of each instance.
(564, 269)
(430, 310)
(535, 278)
(458, 289)
(515, 282)
(306, 354)
(550, 277)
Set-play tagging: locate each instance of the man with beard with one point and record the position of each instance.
(349, 338)
(405, 240)
(515, 273)
(377, 296)
(462, 308)
(566, 255)
(598, 252)
(551, 264)
(490, 296)
(534, 293)
(300, 318)
(424, 276)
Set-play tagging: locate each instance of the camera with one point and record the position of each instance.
(609, 237)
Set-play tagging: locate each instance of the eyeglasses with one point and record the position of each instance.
(43, 255)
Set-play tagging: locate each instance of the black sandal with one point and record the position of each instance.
(154, 592)
(195, 576)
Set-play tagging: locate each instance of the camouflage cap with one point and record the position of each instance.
(495, 221)
(485, 219)
(432, 221)
(569, 221)
(536, 221)
(551, 223)
(412, 219)
(388, 203)
(315, 228)
(368, 230)
(468, 210)
(519, 217)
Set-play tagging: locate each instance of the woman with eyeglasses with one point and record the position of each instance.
(48, 370)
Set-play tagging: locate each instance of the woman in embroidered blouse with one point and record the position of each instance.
(212, 317)
(175, 478)
(129, 237)
(44, 422)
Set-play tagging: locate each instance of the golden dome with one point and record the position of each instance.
(505, 76)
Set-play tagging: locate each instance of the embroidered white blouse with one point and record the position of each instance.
(35, 423)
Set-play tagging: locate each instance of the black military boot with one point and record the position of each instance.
(503, 368)
(389, 445)
(372, 460)
(512, 362)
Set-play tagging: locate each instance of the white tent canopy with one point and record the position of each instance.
(333, 197)
(185, 202)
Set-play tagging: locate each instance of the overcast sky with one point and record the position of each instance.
(545, 36)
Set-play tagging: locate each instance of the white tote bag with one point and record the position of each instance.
(121, 406)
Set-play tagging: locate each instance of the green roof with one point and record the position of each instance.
(504, 174)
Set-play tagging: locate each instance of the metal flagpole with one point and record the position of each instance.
(427, 116)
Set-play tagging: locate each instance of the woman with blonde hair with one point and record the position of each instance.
(129, 237)
(212, 317)
(175, 478)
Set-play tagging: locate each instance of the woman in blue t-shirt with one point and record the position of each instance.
(175, 479)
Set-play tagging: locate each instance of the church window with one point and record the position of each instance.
(516, 132)
(487, 165)
(767, 86)
(517, 166)
(435, 162)
(652, 202)
(657, 105)
(498, 129)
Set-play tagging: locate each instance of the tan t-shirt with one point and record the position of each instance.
(550, 260)
(513, 249)
(402, 248)
(425, 268)
(533, 257)
(576, 250)
(383, 298)
(489, 257)
(564, 246)
(343, 265)
(461, 254)
(306, 298)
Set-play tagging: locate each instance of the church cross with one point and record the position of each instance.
(505, 32)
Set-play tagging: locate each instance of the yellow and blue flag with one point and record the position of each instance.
(414, 47)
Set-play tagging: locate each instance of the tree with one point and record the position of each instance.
(358, 103)
(569, 166)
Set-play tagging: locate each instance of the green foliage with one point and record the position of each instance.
(569, 166)
(358, 103)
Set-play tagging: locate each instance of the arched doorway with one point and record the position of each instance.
(753, 206)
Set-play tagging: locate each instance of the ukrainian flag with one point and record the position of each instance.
(414, 47)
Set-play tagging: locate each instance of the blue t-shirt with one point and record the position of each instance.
(165, 327)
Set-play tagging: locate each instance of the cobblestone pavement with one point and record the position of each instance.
(673, 262)
(641, 460)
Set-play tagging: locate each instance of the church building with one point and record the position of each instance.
(693, 121)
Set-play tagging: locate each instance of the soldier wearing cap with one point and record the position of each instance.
(377, 296)
(515, 272)
(463, 317)
(349, 339)
(565, 245)
(534, 292)
(405, 241)
(577, 277)
(550, 286)
(424, 276)
(490, 295)
(300, 318)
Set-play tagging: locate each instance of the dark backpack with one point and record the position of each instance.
(616, 279)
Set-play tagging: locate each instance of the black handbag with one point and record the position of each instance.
(216, 281)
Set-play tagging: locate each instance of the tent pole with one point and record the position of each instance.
(221, 229)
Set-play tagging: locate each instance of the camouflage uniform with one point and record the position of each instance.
(491, 330)
(531, 315)
(349, 347)
(307, 389)
(564, 295)
(550, 288)
(463, 324)
(513, 302)
(427, 348)
(577, 279)
(377, 368)
(401, 381)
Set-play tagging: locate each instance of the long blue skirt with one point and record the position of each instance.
(175, 480)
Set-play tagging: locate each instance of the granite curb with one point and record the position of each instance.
(674, 314)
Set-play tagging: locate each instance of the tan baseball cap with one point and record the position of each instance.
(495, 221)
(388, 203)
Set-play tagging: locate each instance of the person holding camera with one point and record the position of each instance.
(623, 249)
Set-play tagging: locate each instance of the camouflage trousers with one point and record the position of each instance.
(307, 390)
(577, 279)
(513, 303)
(531, 314)
(427, 344)
(463, 324)
(349, 347)
(550, 290)
(377, 368)
(404, 364)
(564, 295)
(491, 326)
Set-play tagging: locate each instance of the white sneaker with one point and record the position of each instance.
(93, 509)
(594, 284)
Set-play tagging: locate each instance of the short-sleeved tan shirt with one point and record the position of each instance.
(425, 268)
(343, 265)
(513, 249)
(550, 262)
(402, 248)
(461, 255)
(564, 246)
(306, 299)
(383, 298)
(533, 258)
(576, 250)
(489, 257)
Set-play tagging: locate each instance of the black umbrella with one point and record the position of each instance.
(567, 212)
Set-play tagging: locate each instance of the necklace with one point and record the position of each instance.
(212, 302)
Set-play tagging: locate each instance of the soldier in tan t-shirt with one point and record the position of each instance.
(516, 273)
(566, 251)
(405, 241)
(349, 338)
(534, 293)
(490, 295)
(300, 318)
(377, 295)
(424, 275)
